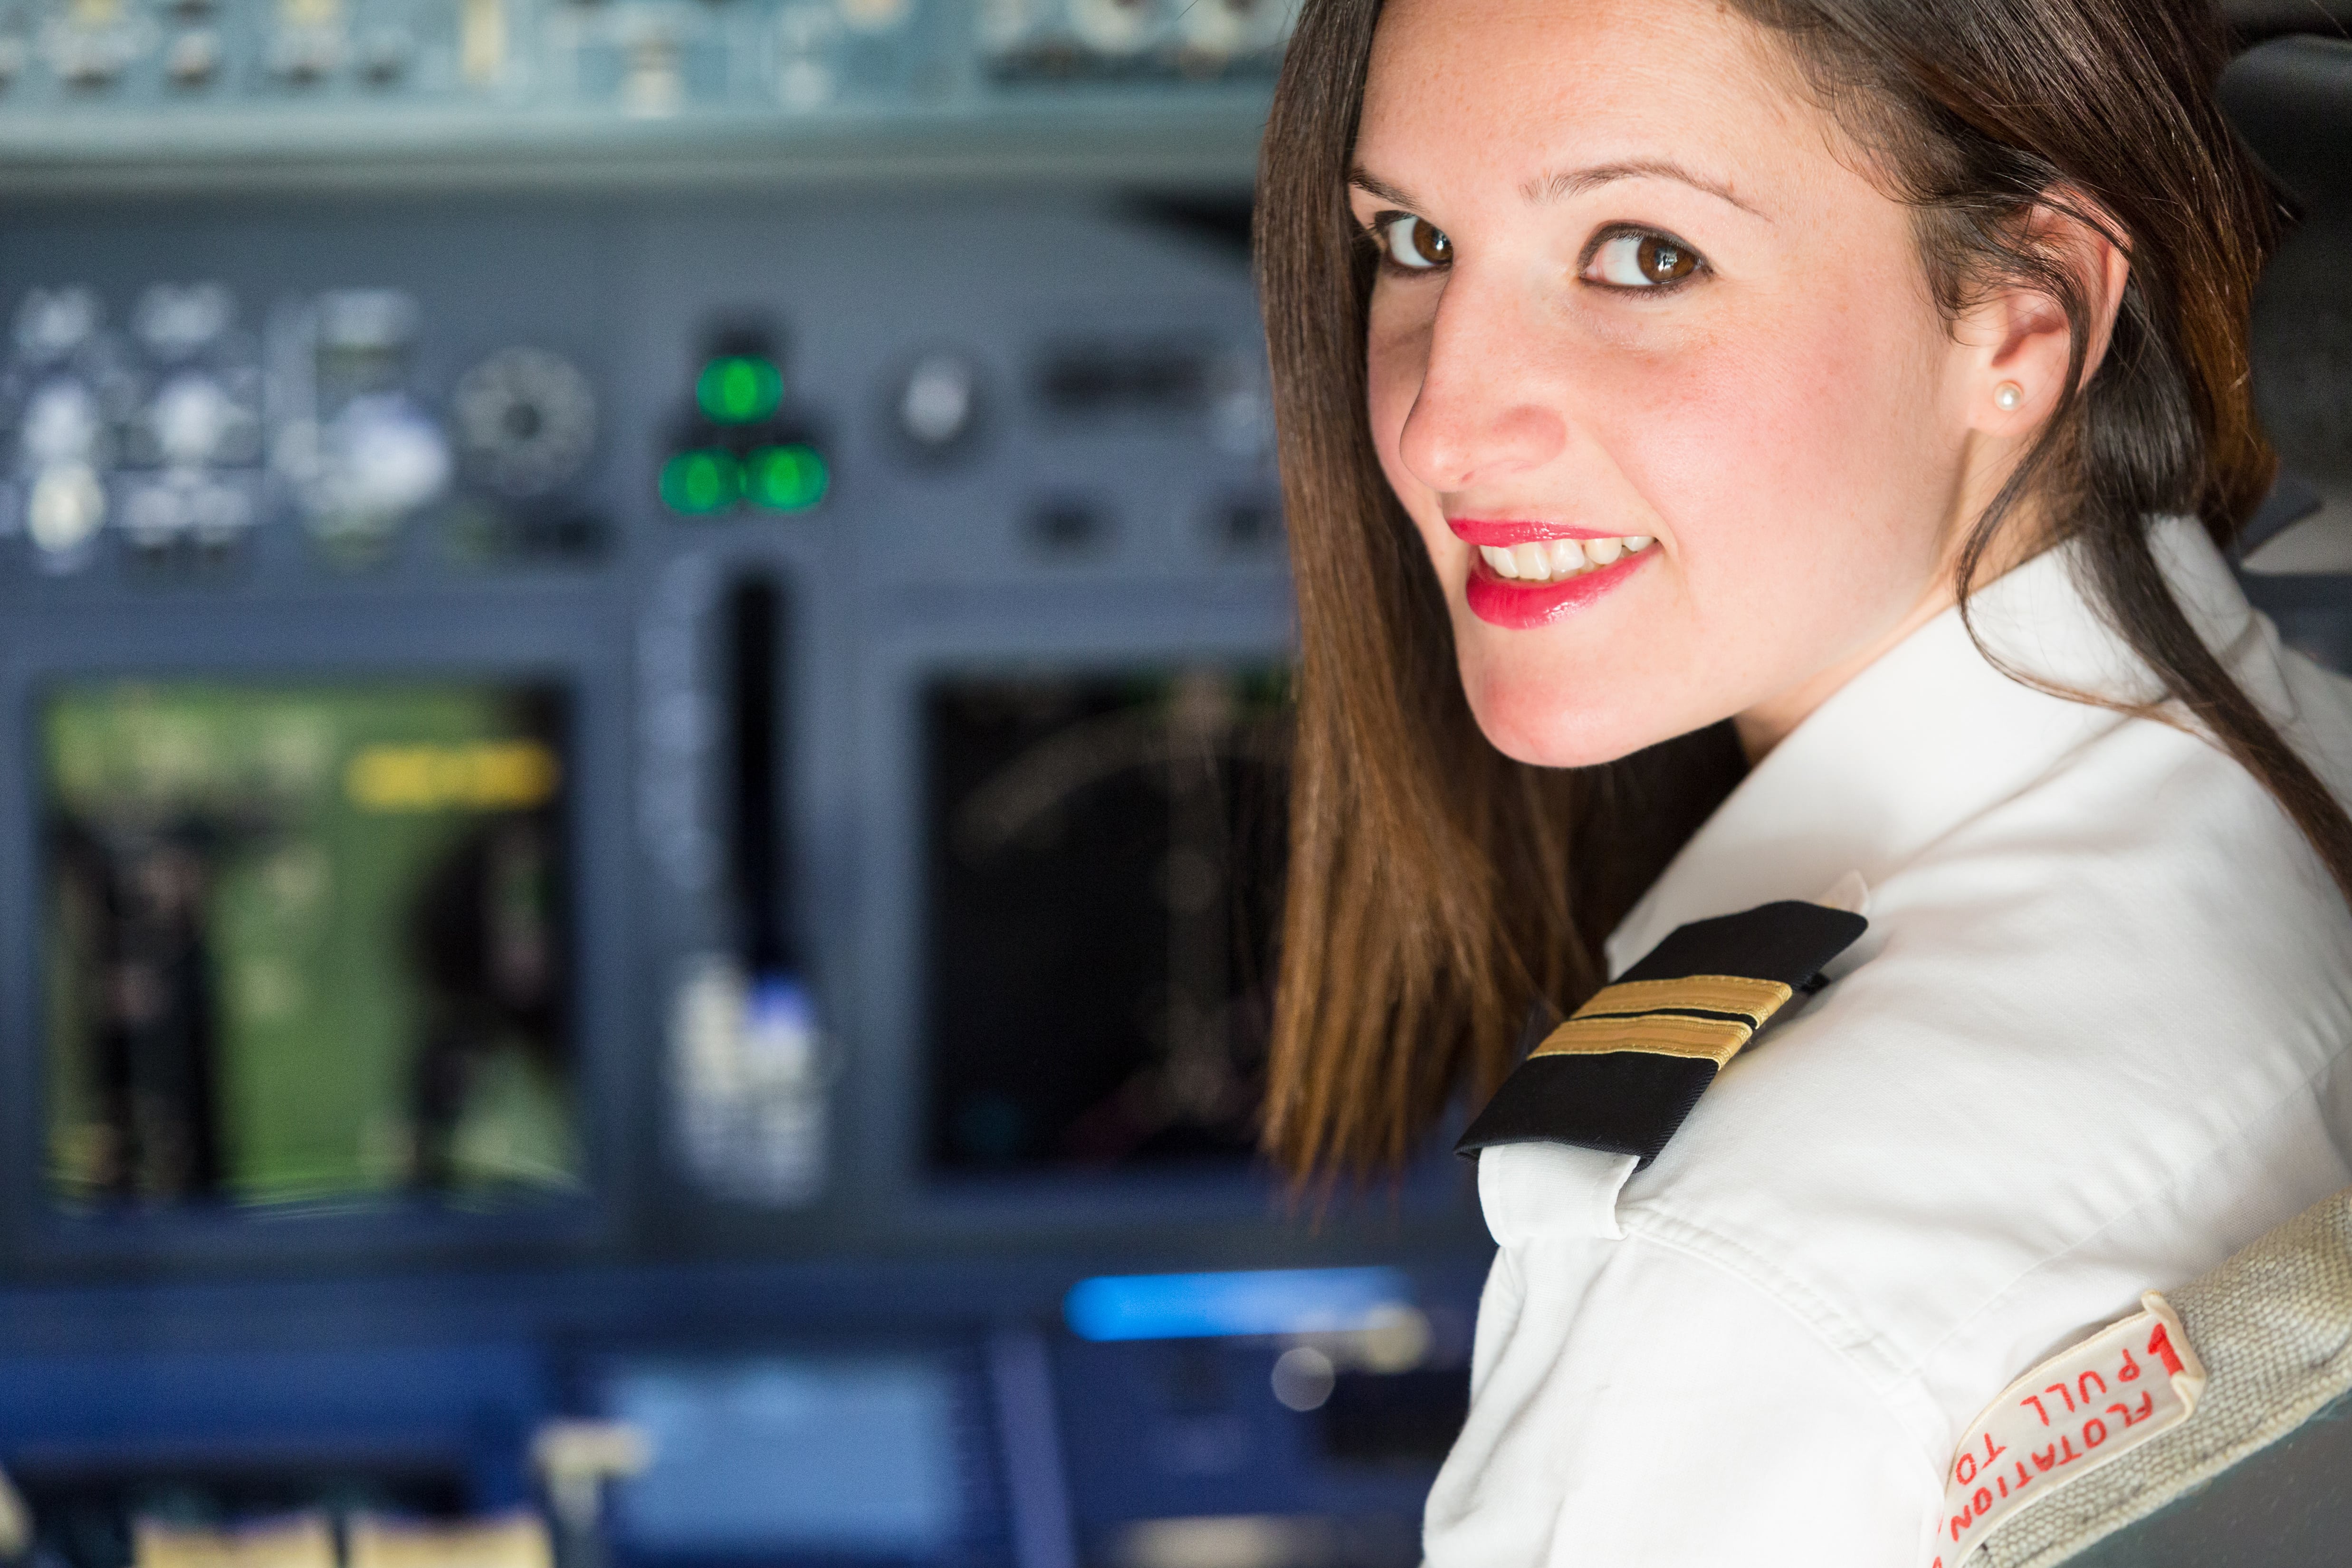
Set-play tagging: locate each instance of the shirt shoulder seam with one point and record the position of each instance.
(1834, 1330)
(2240, 1137)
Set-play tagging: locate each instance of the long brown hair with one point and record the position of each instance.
(1436, 887)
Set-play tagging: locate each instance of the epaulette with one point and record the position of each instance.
(1623, 1072)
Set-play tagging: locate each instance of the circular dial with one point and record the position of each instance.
(526, 420)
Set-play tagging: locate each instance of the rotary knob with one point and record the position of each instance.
(526, 421)
(938, 404)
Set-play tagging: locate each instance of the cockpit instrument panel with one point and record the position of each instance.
(240, 89)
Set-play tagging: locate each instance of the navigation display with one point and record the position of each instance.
(306, 944)
(1105, 861)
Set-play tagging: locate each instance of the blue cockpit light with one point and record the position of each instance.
(1264, 1301)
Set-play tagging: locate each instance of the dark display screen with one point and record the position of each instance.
(305, 943)
(1104, 859)
(789, 1458)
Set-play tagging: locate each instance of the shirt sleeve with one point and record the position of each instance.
(1632, 1404)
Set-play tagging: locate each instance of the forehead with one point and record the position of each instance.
(1522, 88)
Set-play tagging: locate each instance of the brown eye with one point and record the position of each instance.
(1663, 261)
(1412, 243)
(1642, 261)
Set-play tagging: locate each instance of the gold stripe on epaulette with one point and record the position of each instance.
(1653, 1034)
(1755, 1000)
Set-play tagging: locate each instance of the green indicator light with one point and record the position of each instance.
(699, 482)
(738, 388)
(786, 479)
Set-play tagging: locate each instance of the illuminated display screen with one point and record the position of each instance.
(834, 1456)
(306, 944)
(1104, 859)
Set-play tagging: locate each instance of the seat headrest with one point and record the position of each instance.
(2291, 99)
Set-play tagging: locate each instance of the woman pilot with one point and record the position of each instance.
(1753, 464)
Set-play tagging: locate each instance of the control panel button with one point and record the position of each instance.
(193, 57)
(194, 420)
(1221, 29)
(384, 459)
(790, 476)
(64, 508)
(61, 424)
(51, 323)
(937, 405)
(175, 321)
(1115, 27)
(741, 444)
(309, 42)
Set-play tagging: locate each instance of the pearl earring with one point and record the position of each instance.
(2008, 397)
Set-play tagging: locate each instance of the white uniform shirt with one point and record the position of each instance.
(2091, 1043)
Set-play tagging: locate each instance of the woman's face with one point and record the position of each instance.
(1655, 370)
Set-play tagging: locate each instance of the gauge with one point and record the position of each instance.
(526, 420)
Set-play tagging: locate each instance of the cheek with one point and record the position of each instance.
(1796, 468)
(1396, 356)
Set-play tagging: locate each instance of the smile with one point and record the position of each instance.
(1558, 560)
(1521, 587)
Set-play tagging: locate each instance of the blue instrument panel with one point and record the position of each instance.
(240, 89)
(665, 810)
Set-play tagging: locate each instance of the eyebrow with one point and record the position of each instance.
(1372, 185)
(1576, 182)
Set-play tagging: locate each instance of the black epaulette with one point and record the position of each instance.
(1620, 1076)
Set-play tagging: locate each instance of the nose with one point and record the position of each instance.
(1482, 412)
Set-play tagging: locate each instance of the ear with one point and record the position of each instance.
(2018, 335)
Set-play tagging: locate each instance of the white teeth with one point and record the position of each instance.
(1557, 560)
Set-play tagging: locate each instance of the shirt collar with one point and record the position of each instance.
(1930, 736)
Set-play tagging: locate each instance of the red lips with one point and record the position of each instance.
(1524, 607)
(1507, 532)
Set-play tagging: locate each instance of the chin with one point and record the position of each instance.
(1528, 721)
